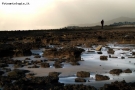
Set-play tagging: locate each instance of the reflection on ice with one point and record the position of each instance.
(94, 65)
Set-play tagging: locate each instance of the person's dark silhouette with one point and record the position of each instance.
(102, 23)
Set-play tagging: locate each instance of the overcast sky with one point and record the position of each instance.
(41, 14)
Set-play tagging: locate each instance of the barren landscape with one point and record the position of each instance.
(68, 59)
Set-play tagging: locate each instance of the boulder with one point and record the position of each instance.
(99, 52)
(45, 65)
(27, 58)
(37, 56)
(110, 51)
(80, 80)
(75, 63)
(122, 57)
(3, 65)
(18, 65)
(54, 74)
(115, 71)
(1, 72)
(103, 57)
(133, 53)
(35, 66)
(83, 74)
(127, 71)
(101, 77)
(57, 65)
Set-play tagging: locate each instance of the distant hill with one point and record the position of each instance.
(120, 19)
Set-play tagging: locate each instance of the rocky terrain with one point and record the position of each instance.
(61, 49)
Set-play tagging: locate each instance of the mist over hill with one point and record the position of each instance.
(120, 19)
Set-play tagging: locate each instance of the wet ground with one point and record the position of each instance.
(92, 64)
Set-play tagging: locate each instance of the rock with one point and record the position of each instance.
(71, 53)
(133, 53)
(99, 52)
(127, 71)
(115, 71)
(45, 65)
(1, 72)
(75, 63)
(27, 52)
(30, 75)
(110, 56)
(7, 69)
(57, 65)
(103, 57)
(16, 73)
(3, 65)
(18, 65)
(110, 51)
(119, 85)
(122, 57)
(54, 74)
(83, 74)
(125, 49)
(37, 56)
(35, 66)
(27, 58)
(80, 80)
(101, 77)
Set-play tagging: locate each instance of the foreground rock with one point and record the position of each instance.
(83, 74)
(71, 54)
(103, 57)
(75, 63)
(78, 87)
(37, 56)
(115, 71)
(127, 71)
(45, 65)
(16, 74)
(54, 74)
(101, 77)
(122, 85)
(57, 65)
(1, 72)
(2, 65)
(110, 51)
(80, 80)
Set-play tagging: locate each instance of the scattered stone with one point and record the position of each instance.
(18, 65)
(125, 49)
(133, 53)
(115, 71)
(101, 77)
(3, 65)
(75, 63)
(80, 80)
(99, 52)
(45, 65)
(110, 51)
(54, 74)
(103, 57)
(37, 56)
(34, 66)
(27, 58)
(1, 72)
(122, 57)
(127, 71)
(57, 65)
(83, 74)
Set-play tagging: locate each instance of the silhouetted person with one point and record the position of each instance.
(102, 23)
